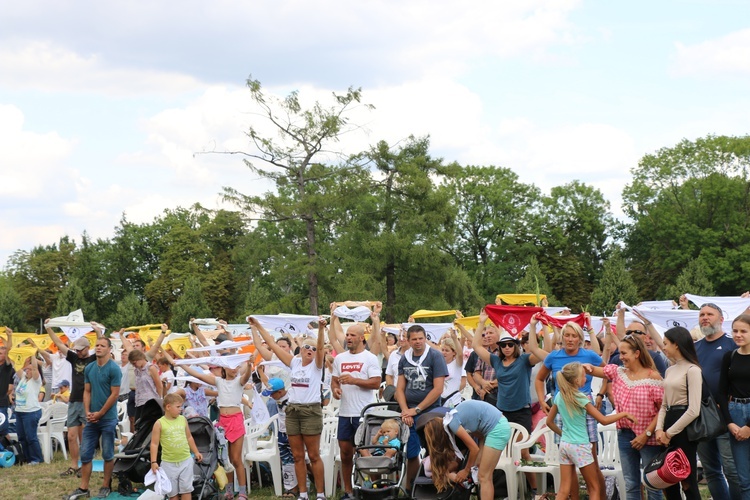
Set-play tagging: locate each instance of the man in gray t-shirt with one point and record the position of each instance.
(421, 376)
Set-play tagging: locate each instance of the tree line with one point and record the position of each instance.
(397, 224)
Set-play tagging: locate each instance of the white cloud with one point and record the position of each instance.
(727, 55)
(167, 47)
(50, 67)
(29, 159)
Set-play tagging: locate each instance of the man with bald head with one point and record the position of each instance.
(355, 378)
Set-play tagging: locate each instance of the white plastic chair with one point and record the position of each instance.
(123, 421)
(609, 456)
(257, 454)
(329, 451)
(551, 458)
(52, 428)
(509, 456)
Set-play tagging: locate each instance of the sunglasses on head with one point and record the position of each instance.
(634, 332)
(310, 347)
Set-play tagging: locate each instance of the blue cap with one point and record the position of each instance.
(274, 384)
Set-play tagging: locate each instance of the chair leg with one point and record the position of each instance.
(278, 476)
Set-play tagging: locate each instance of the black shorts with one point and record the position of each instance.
(521, 417)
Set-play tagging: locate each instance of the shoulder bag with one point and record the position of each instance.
(709, 423)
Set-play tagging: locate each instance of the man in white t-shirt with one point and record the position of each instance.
(356, 377)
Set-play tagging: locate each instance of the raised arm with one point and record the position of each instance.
(592, 336)
(537, 354)
(284, 357)
(9, 334)
(459, 350)
(34, 367)
(465, 334)
(98, 328)
(205, 377)
(335, 332)
(320, 355)
(55, 339)
(265, 353)
(199, 334)
(377, 346)
(248, 371)
(45, 355)
(151, 354)
(481, 351)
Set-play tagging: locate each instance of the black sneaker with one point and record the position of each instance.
(78, 493)
(104, 492)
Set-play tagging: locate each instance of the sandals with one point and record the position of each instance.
(229, 495)
(241, 496)
(69, 472)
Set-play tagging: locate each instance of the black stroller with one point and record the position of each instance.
(134, 461)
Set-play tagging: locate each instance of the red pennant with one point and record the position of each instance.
(512, 318)
(560, 322)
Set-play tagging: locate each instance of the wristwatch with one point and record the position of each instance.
(649, 433)
(418, 410)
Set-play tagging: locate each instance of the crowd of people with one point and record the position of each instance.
(650, 384)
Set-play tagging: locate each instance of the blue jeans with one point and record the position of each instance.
(631, 464)
(716, 455)
(26, 428)
(740, 413)
(91, 434)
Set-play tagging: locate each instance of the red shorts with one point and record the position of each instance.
(233, 425)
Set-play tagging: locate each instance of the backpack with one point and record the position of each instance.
(15, 448)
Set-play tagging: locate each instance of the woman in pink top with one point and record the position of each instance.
(637, 389)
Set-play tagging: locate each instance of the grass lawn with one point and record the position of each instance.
(43, 482)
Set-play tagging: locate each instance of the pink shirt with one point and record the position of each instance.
(641, 398)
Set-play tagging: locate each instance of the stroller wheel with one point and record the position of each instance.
(124, 486)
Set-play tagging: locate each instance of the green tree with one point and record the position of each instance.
(89, 275)
(302, 135)
(616, 285)
(12, 308)
(571, 237)
(534, 281)
(693, 279)
(183, 255)
(490, 232)
(40, 275)
(72, 298)
(391, 242)
(131, 311)
(691, 201)
(190, 304)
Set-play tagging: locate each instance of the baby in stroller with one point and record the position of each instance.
(379, 465)
(386, 437)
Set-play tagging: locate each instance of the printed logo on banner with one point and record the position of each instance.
(513, 322)
(675, 322)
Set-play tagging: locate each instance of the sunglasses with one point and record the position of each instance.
(507, 344)
(310, 347)
(634, 332)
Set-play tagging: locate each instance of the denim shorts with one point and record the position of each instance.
(104, 429)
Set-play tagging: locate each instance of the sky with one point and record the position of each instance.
(105, 107)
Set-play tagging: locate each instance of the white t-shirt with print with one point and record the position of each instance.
(305, 382)
(363, 365)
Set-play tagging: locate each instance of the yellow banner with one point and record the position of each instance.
(471, 322)
(179, 345)
(18, 355)
(519, 299)
(42, 341)
(424, 313)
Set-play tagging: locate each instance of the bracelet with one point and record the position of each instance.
(600, 395)
(154, 462)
